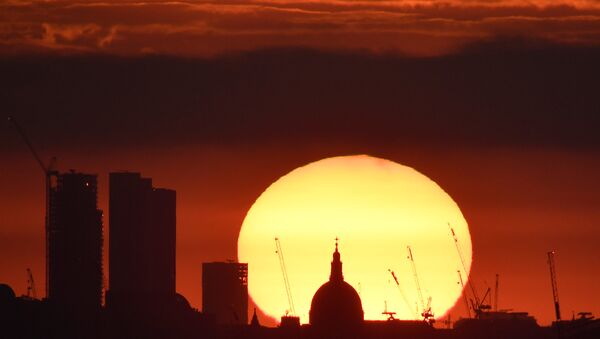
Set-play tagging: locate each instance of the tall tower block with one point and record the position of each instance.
(142, 244)
(75, 243)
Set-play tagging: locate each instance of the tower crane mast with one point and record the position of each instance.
(554, 285)
(496, 293)
(462, 285)
(286, 281)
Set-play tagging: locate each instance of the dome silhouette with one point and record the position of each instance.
(182, 302)
(336, 305)
(6, 293)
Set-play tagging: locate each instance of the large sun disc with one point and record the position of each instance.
(377, 208)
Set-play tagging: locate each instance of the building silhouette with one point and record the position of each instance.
(225, 292)
(336, 307)
(142, 243)
(74, 242)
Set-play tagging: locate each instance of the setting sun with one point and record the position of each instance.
(377, 208)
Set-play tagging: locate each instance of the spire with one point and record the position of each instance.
(336, 265)
(254, 322)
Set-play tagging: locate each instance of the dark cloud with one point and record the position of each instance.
(510, 92)
(203, 28)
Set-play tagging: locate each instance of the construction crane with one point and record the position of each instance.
(286, 281)
(31, 293)
(416, 276)
(49, 173)
(403, 294)
(425, 311)
(464, 293)
(485, 307)
(464, 266)
(554, 286)
(477, 303)
(428, 316)
(37, 158)
(496, 293)
(389, 314)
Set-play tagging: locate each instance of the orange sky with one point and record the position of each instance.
(519, 204)
(508, 132)
(212, 27)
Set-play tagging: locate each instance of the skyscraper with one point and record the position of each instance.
(75, 242)
(142, 225)
(225, 292)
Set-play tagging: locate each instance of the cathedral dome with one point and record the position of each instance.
(6, 294)
(336, 305)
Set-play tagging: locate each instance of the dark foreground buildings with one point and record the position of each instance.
(335, 313)
(142, 235)
(225, 292)
(74, 241)
(142, 302)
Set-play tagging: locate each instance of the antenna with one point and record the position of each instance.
(31, 293)
(496, 293)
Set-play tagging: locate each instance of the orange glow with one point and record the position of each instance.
(377, 208)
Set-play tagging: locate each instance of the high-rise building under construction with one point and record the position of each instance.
(225, 292)
(74, 242)
(142, 223)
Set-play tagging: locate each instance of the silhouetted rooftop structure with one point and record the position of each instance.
(6, 293)
(336, 306)
(254, 322)
(225, 292)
